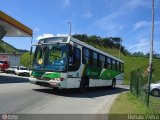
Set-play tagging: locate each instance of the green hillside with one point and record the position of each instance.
(7, 48)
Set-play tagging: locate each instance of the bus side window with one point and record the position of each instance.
(95, 58)
(75, 60)
(101, 61)
(122, 67)
(109, 63)
(117, 66)
(105, 63)
(113, 64)
(86, 56)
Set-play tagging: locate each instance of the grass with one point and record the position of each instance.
(154, 105)
(133, 63)
(127, 103)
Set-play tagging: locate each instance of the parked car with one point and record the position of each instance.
(154, 89)
(21, 70)
(11, 69)
(3, 65)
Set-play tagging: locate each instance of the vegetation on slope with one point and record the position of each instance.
(7, 48)
(25, 59)
(108, 42)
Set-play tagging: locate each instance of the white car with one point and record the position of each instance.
(11, 69)
(154, 89)
(22, 71)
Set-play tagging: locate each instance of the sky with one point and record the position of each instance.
(129, 19)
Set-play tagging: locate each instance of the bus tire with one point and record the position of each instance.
(83, 84)
(113, 83)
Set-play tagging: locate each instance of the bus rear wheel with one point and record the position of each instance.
(113, 86)
(83, 85)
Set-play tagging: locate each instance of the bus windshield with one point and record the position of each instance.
(51, 57)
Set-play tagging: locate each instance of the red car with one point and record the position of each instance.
(3, 65)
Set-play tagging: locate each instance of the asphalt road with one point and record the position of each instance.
(17, 95)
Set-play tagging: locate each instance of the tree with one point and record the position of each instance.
(138, 54)
(81, 37)
(25, 59)
(116, 40)
(111, 42)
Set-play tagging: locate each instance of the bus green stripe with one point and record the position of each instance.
(52, 75)
(108, 74)
(46, 75)
(99, 73)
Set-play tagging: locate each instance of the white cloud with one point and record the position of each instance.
(36, 29)
(157, 43)
(139, 3)
(61, 35)
(66, 3)
(142, 45)
(44, 36)
(121, 9)
(109, 26)
(49, 35)
(141, 24)
(86, 15)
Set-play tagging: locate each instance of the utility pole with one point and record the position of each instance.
(151, 54)
(120, 49)
(70, 25)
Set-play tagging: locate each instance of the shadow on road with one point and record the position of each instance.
(90, 93)
(12, 79)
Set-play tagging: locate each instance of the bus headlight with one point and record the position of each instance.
(59, 79)
(32, 76)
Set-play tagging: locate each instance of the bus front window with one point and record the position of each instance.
(51, 57)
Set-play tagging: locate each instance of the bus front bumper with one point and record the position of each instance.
(45, 83)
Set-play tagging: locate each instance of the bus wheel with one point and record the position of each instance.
(113, 83)
(82, 87)
(55, 89)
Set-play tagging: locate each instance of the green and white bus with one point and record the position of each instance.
(65, 62)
